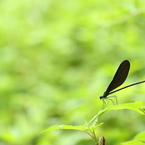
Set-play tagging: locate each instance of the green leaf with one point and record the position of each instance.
(140, 136)
(81, 128)
(136, 106)
(66, 127)
(134, 142)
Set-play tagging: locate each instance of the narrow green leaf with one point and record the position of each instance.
(81, 128)
(132, 106)
(67, 127)
(137, 106)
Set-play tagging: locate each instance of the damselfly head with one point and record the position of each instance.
(104, 96)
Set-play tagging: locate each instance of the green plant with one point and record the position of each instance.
(91, 127)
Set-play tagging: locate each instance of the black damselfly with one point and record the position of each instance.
(118, 79)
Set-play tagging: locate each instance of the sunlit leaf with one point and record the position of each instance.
(81, 128)
(134, 142)
(140, 136)
(137, 106)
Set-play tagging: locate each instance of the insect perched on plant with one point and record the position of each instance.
(118, 79)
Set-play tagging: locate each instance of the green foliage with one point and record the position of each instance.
(56, 59)
(133, 143)
(140, 136)
(91, 129)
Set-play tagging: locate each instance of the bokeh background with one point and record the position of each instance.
(57, 58)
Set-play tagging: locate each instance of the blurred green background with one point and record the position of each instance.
(57, 58)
